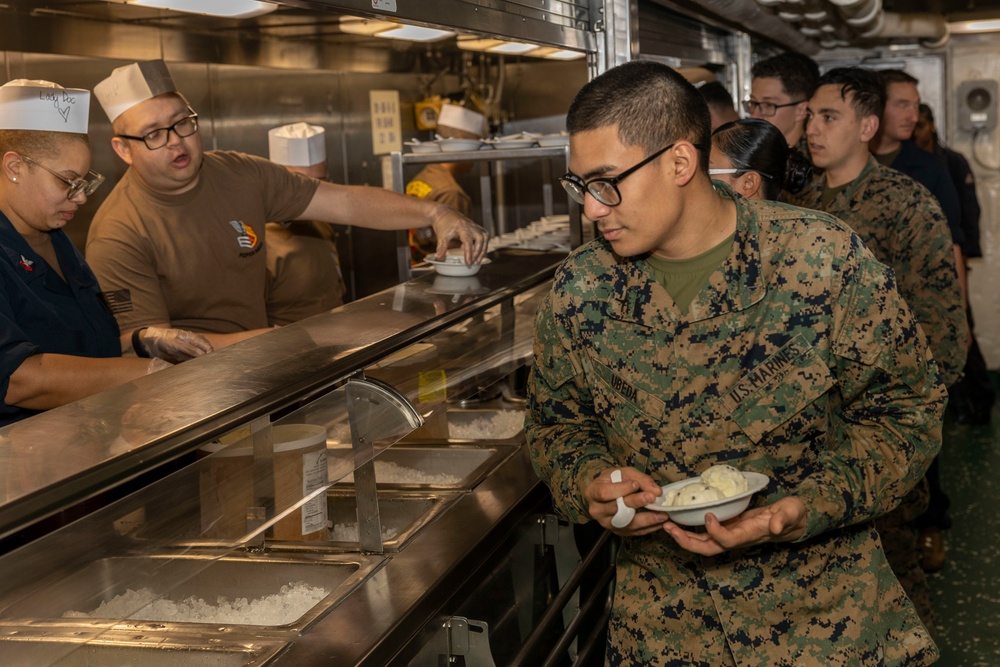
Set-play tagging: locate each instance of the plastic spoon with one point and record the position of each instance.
(625, 514)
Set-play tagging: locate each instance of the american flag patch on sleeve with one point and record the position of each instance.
(119, 301)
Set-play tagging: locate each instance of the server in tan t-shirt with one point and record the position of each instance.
(303, 268)
(179, 242)
(436, 182)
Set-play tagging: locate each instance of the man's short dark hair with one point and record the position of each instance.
(865, 87)
(797, 72)
(716, 96)
(652, 105)
(896, 76)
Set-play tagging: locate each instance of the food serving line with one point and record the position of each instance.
(446, 570)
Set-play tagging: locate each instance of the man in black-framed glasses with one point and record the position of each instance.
(181, 237)
(158, 137)
(604, 190)
(779, 93)
(701, 329)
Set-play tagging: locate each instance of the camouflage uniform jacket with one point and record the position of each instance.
(902, 223)
(798, 360)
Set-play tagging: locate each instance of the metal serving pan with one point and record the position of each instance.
(28, 646)
(208, 576)
(402, 515)
(433, 466)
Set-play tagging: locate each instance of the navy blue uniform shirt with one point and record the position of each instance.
(42, 313)
(922, 167)
(965, 184)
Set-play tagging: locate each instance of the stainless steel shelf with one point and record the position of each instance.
(484, 155)
(392, 179)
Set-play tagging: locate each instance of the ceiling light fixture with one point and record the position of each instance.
(564, 54)
(974, 26)
(415, 33)
(476, 43)
(356, 25)
(512, 48)
(234, 9)
(494, 45)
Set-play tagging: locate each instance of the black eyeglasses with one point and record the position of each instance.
(604, 190)
(159, 137)
(767, 109)
(77, 186)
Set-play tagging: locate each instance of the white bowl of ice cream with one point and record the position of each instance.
(721, 490)
(455, 266)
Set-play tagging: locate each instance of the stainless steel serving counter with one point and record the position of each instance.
(478, 542)
(53, 460)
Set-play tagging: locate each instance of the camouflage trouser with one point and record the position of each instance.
(900, 540)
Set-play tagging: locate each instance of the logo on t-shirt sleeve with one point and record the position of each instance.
(245, 235)
(119, 301)
(418, 189)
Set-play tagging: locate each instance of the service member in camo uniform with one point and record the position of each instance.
(902, 223)
(704, 328)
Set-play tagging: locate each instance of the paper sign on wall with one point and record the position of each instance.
(384, 5)
(386, 124)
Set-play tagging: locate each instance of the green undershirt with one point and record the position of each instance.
(829, 194)
(684, 278)
(886, 159)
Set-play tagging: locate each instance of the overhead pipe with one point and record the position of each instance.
(756, 19)
(869, 21)
(930, 29)
(815, 19)
(864, 19)
(855, 20)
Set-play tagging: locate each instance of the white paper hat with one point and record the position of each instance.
(131, 84)
(42, 105)
(297, 145)
(462, 119)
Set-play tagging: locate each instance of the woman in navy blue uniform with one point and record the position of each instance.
(58, 337)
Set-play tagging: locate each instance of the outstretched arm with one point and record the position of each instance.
(376, 208)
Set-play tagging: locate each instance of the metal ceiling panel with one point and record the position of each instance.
(299, 34)
(566, 23)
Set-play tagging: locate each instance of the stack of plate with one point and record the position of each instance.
(519, 140)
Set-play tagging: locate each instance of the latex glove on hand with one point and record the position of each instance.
(451, 225)
(156, 364)
(174, 345)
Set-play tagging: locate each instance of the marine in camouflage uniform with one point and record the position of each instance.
(902, 223)
(798, 360)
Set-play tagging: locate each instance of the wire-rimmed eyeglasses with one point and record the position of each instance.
(159, 137)
(604, 190)
(77, 186)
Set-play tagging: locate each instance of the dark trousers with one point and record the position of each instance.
(937, 510)
(970, 400)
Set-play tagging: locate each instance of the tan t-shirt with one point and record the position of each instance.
(303, 271)
(435, 183)
(195, 259)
